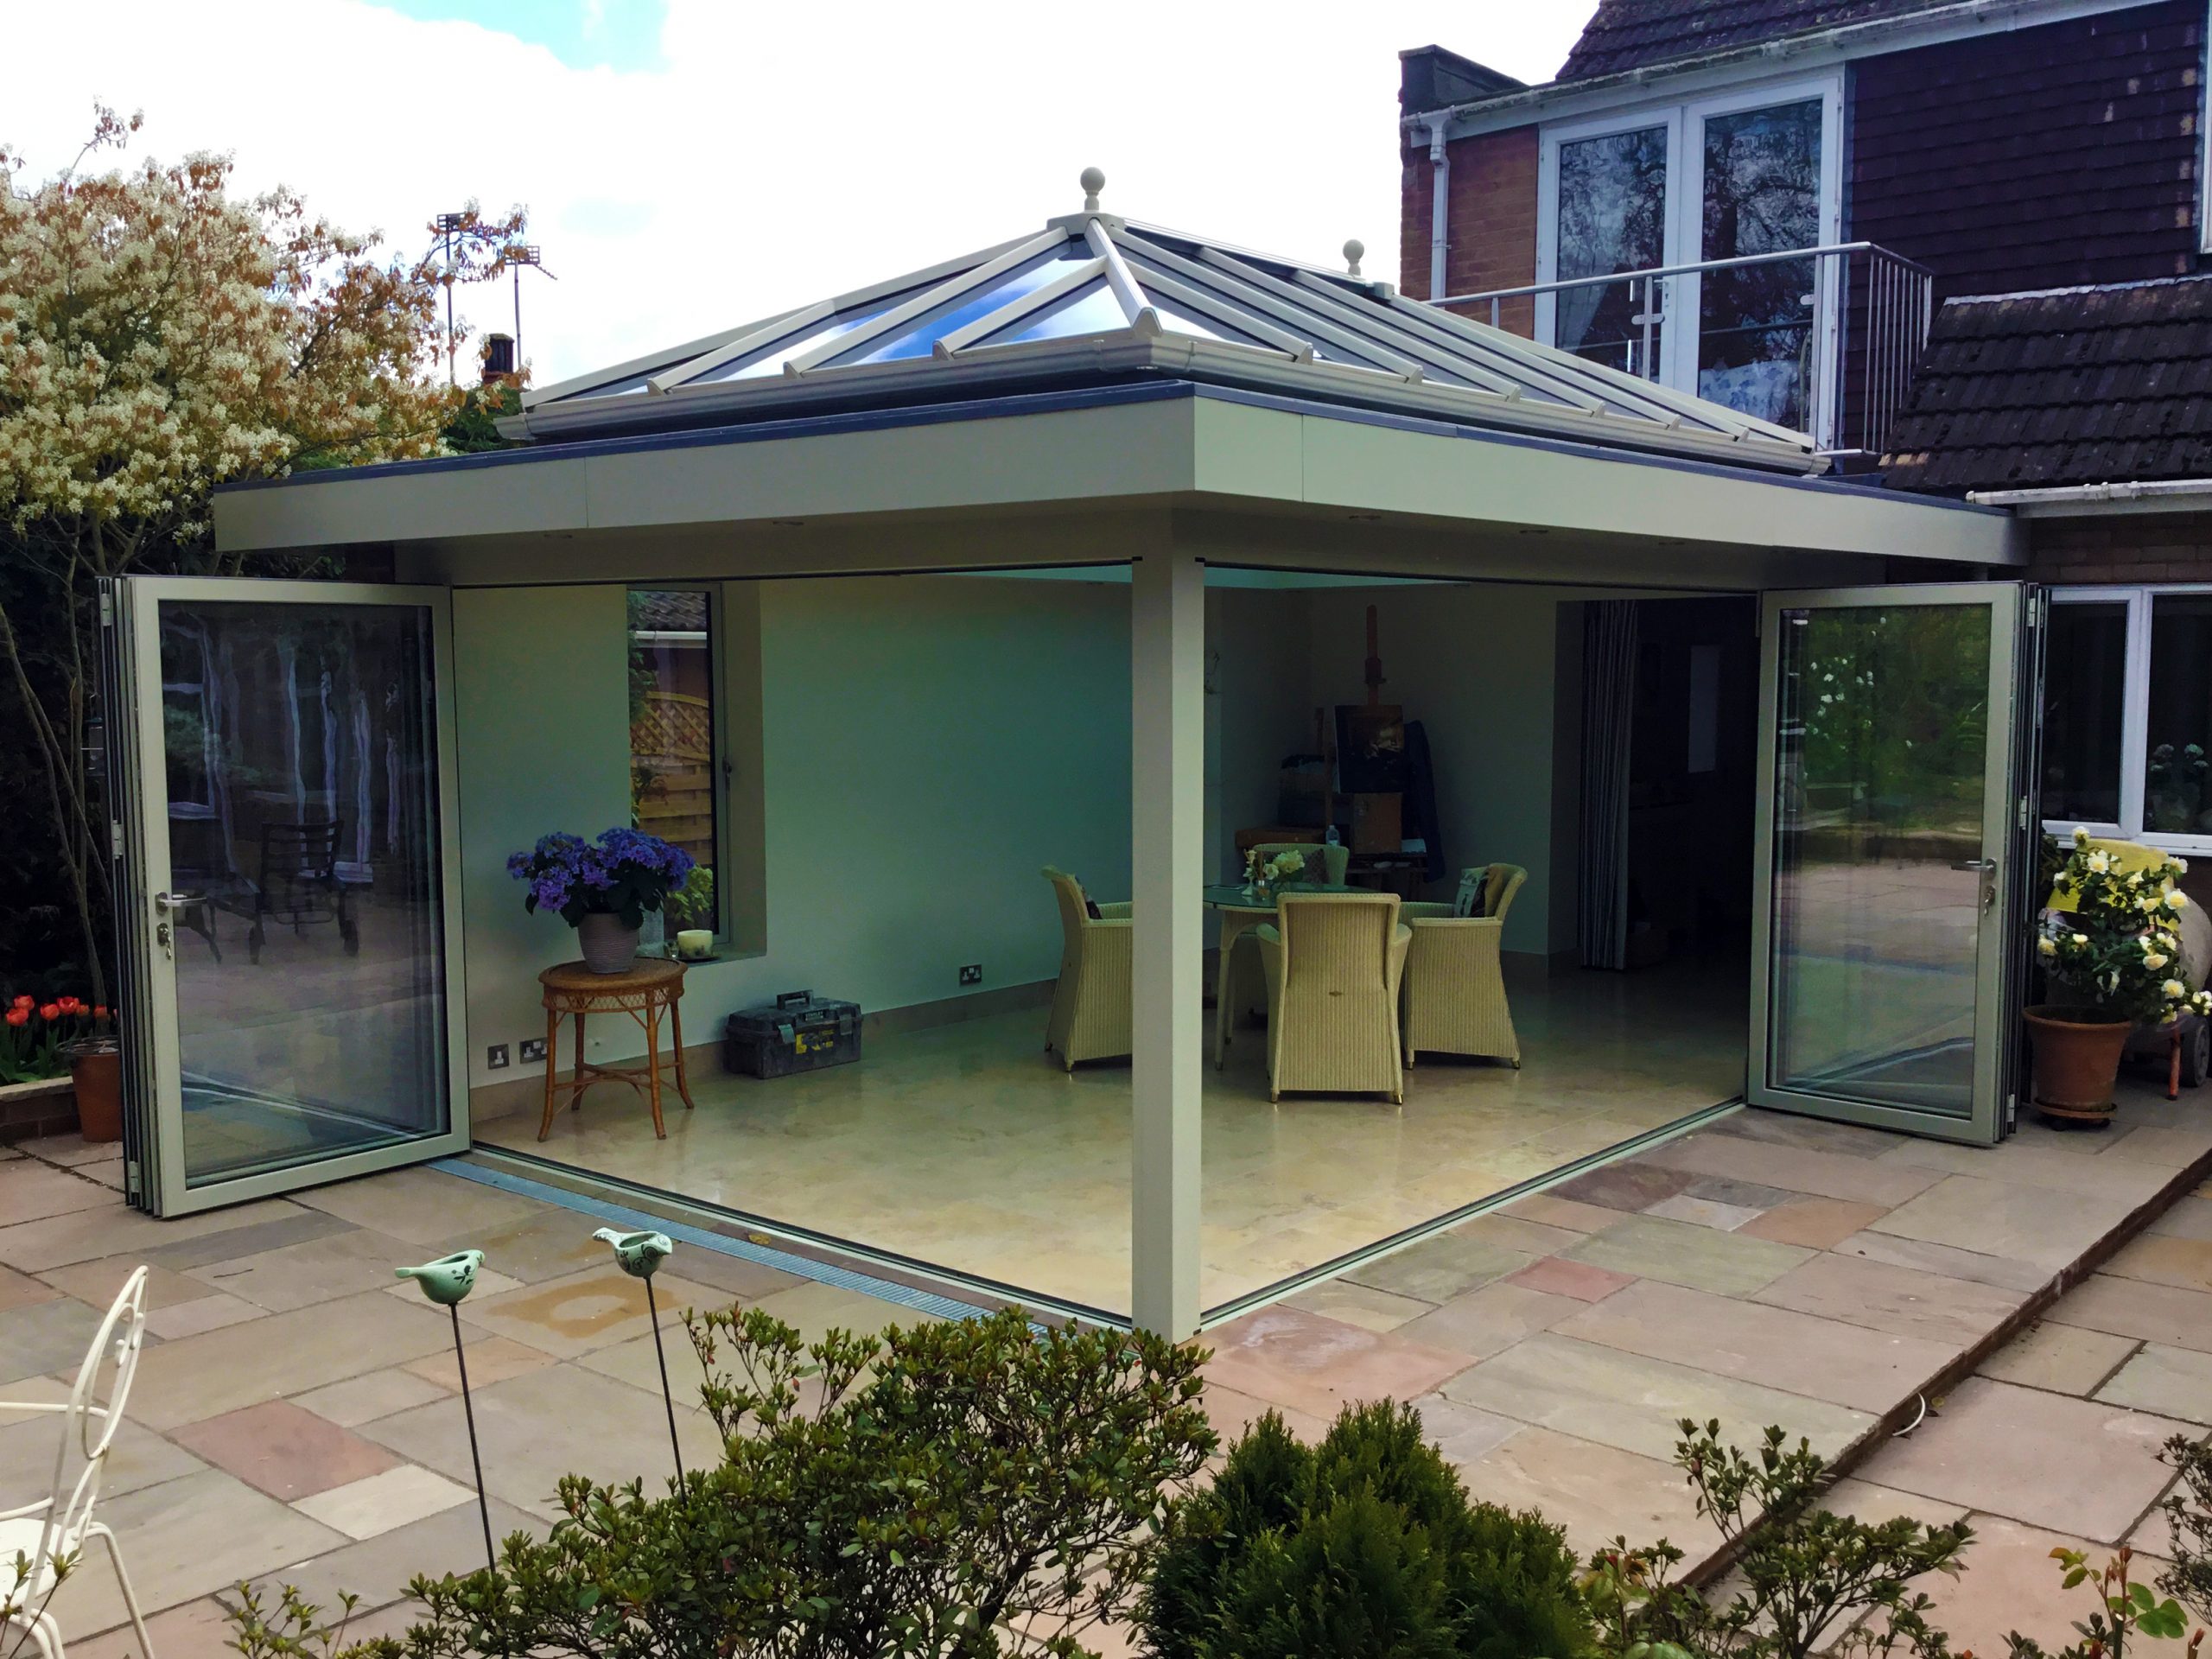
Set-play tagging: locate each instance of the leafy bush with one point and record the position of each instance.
(968, 1487)
(2189, 1513)
(1362, 1547)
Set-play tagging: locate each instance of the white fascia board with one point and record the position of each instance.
(1664, 84)
(1369, 468)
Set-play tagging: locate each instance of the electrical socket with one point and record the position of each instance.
(972, 974)
(531, 1048)
(495, 1057)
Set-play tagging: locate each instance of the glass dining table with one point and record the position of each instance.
(1242, 909)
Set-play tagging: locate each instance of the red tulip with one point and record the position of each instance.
(23, 1002)
(99, 1011)
(51, 1011)
(19, 1016)
(69, 1005)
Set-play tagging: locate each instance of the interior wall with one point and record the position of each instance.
(1258, 664)
(926, 745)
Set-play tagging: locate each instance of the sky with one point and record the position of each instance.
(692, 165)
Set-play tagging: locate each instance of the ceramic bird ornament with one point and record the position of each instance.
(637, 1253)
(449, 1279)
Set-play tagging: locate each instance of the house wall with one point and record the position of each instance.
(2037, 157)
(1490, 221)
(927, 744)
(1256, 675)
(2123, 547)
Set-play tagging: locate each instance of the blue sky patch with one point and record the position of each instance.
(620, 35)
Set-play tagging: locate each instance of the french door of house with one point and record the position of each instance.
(1896, 853)
(281, 758)
(1731, 178)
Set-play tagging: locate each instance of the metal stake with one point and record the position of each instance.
(667, 1395)
(475, 1460)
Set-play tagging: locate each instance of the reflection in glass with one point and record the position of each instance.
(1878, 791)
(2084, 697)
(2175, 798)
(672, 794)
(1092, 310)
(1754, 324)
(302, 785)
(1612, 216)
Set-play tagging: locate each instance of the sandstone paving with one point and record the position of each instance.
(2172, 1382)
(2130, 1307)
(2049, 1227)
(1682, 1252)
(1489, 1320)
(2064, 1358)
(1880, 1296)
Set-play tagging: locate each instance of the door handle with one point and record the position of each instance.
(1975, 864)
(176, 902)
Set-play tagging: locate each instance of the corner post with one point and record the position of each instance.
(1167, 729)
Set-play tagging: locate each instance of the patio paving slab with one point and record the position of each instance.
(297, 1227)
(1554, 1210)
(100, 1282)
(20, 1290)
(2012, 1584)
(596, 1308)
(1231, 1412)
(1360, 1305)
(1462, 1433)
(377, 1568)
(2130, 1307)
(2044, 1459)
(1557, 1277)
(1816, 1224)
(1634, 1403)
(288, 1453)
(43, 1337)
(1595, 1491)
(1809, 1133)
(2065, 1168)
(1489, 1320)
(2186, 1217)
(209, 1312)
(2063, 1358)
(2162, 1259)
(1976, 1266)
(1704, 1212)
(2049, 1227)
(1631, 1185)
(113, 1229)
(2169, 1148)
(307, 1272)
(421, 1205)
(1438, 1268)
(1903, 1300)
(377, 1504)
(30, 1190)
(1796, 1352)
(1850, 1175)
(363, 1399)
(491, 1360)
(1290, 1357)
(139, 1457)
(2171, 1381)
(1682, 1252)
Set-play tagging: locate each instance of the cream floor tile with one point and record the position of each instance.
(363, 1508)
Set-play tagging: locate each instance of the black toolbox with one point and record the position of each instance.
(799, 1032)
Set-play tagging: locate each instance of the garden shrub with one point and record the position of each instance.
(970, 1488)
(1364, 1547)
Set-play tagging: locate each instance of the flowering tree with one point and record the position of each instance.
(2119, 946)
(158, 337)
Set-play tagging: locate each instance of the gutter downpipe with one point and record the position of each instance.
(1440, 177)
(2187, 491)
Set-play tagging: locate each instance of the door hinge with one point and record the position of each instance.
(107, 609)
(115, 839)
(2023, 821)
(2011, 1112)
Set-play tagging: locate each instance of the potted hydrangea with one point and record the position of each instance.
(602, 888)
(2117, 952)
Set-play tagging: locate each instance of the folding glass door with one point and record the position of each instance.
(1895, 856)
(1720, 179)
(289, 914)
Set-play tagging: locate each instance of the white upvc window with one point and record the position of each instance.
(1756, 170)
(2127, 715)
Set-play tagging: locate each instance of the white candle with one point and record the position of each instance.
(693, 942)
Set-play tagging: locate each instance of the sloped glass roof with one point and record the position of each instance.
(1096, 296)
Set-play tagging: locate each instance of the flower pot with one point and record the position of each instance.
(2076, 1063)
(96, 1070)
(608, 947)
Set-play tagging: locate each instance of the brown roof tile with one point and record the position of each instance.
(1634, 34)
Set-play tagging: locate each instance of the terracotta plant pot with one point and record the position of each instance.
(608, 947)
(2077, 1062)
(96, 1070)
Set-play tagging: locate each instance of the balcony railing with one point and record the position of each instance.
(1826, 340)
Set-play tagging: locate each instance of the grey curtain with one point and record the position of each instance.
(1608, 714)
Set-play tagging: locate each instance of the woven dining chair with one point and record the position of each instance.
(55, 1527)
(1334, 964)
(1091, 1017)
(1455, 982)
(1325, 862)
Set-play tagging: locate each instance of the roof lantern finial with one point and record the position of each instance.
(1354, 250)
(1092, 181)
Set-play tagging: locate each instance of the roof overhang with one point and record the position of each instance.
(1166, 443)
(1794, 54)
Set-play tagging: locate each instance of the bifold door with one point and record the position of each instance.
(1895, 854)
(288, 903)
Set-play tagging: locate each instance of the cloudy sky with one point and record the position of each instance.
(691, 164)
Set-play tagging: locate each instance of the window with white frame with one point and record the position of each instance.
(1758, 171)
(675, 753)
(2128, 713)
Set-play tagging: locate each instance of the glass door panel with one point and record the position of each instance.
(1888, 842)
(300, 970)
(1612, 217)
(1756, 324)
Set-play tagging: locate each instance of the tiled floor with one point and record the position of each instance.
(1766, 1269)
(967, 1147)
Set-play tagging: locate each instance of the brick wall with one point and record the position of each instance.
(2123, 547)
(1491, 223)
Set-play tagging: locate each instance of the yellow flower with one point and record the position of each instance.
(2080, 837)
(2100, 862)
(2080, 939)
(2048, 945)
(2177, 900)
(2175, 990)
(2155, 959)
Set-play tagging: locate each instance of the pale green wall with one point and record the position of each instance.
(927, 744)
(1254, 711)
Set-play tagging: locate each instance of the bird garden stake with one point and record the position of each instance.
(447, 1281)
(638, 1253)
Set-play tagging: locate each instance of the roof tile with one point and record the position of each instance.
(1636, 34)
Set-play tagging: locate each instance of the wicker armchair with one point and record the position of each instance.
(1090, 999)
(1455, 988)
(1333, 966)
(1245, 978)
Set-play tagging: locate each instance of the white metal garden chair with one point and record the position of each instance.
(55, 1527)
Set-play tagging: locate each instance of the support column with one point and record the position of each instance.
(1167, 678)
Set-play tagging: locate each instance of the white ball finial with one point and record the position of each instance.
(1354, 250)
(1092, 181)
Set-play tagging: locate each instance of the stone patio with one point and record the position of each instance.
(294, 1417)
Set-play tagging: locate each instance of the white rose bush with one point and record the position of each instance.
(2119, 949)
(159, 337)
